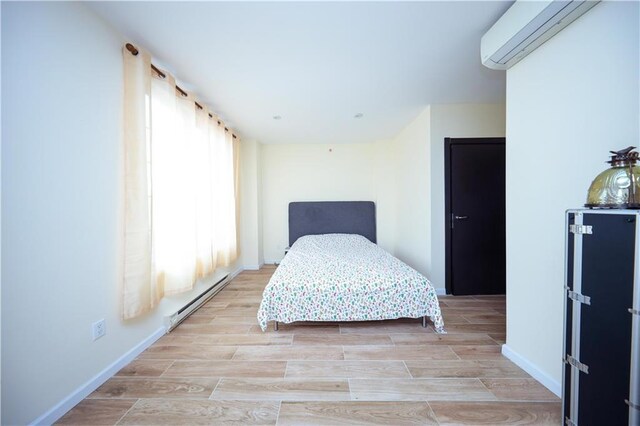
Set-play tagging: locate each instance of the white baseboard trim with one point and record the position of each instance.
(440, 291)
(60, 409)
(251, 267)
(271, 262)
(235, 273)
(535, 372)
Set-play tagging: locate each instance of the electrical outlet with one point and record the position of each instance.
(99, 329)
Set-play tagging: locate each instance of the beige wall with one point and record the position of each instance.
(568, 103)
(385, 183)
(316, 172)
(412, 156)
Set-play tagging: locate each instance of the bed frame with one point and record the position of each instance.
(333, 217)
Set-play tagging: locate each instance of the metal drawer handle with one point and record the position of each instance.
(634, 311)
(461, 217)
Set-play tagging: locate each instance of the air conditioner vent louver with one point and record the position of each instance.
(525, 26)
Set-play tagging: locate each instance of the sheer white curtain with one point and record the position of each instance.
(139, 293)
(190, 192)
(223, 161)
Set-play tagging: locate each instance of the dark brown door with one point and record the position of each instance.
(475, 216)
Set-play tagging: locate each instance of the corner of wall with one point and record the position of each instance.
(250, 214)
(533, 370)
(260, 208)
(75, 397)
(412, 187)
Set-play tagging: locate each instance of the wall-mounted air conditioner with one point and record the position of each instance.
(525, 26)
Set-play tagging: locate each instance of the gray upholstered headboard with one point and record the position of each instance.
(332, 217)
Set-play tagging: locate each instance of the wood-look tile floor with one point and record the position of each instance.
(218, 367)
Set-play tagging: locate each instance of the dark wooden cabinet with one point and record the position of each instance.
(601, 347)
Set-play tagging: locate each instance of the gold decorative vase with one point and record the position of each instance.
(619, 186)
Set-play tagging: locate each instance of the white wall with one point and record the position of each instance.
(385, 184)
(568, 103)
(250, 221)
(61, 206)
(0, 231)
(412, 194)
(62, 124)
(260, 207)
(455, 121)
(310, 172)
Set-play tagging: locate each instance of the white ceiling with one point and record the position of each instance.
(318, 64)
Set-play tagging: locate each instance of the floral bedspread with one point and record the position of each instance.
(345, 277)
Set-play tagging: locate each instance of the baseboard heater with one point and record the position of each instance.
(173, 320)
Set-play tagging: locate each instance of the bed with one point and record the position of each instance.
(334, 271)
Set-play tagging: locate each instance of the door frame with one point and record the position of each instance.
(448, 143)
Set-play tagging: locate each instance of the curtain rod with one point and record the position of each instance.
(131, 48)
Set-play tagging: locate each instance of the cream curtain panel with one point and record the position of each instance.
(181, 200)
